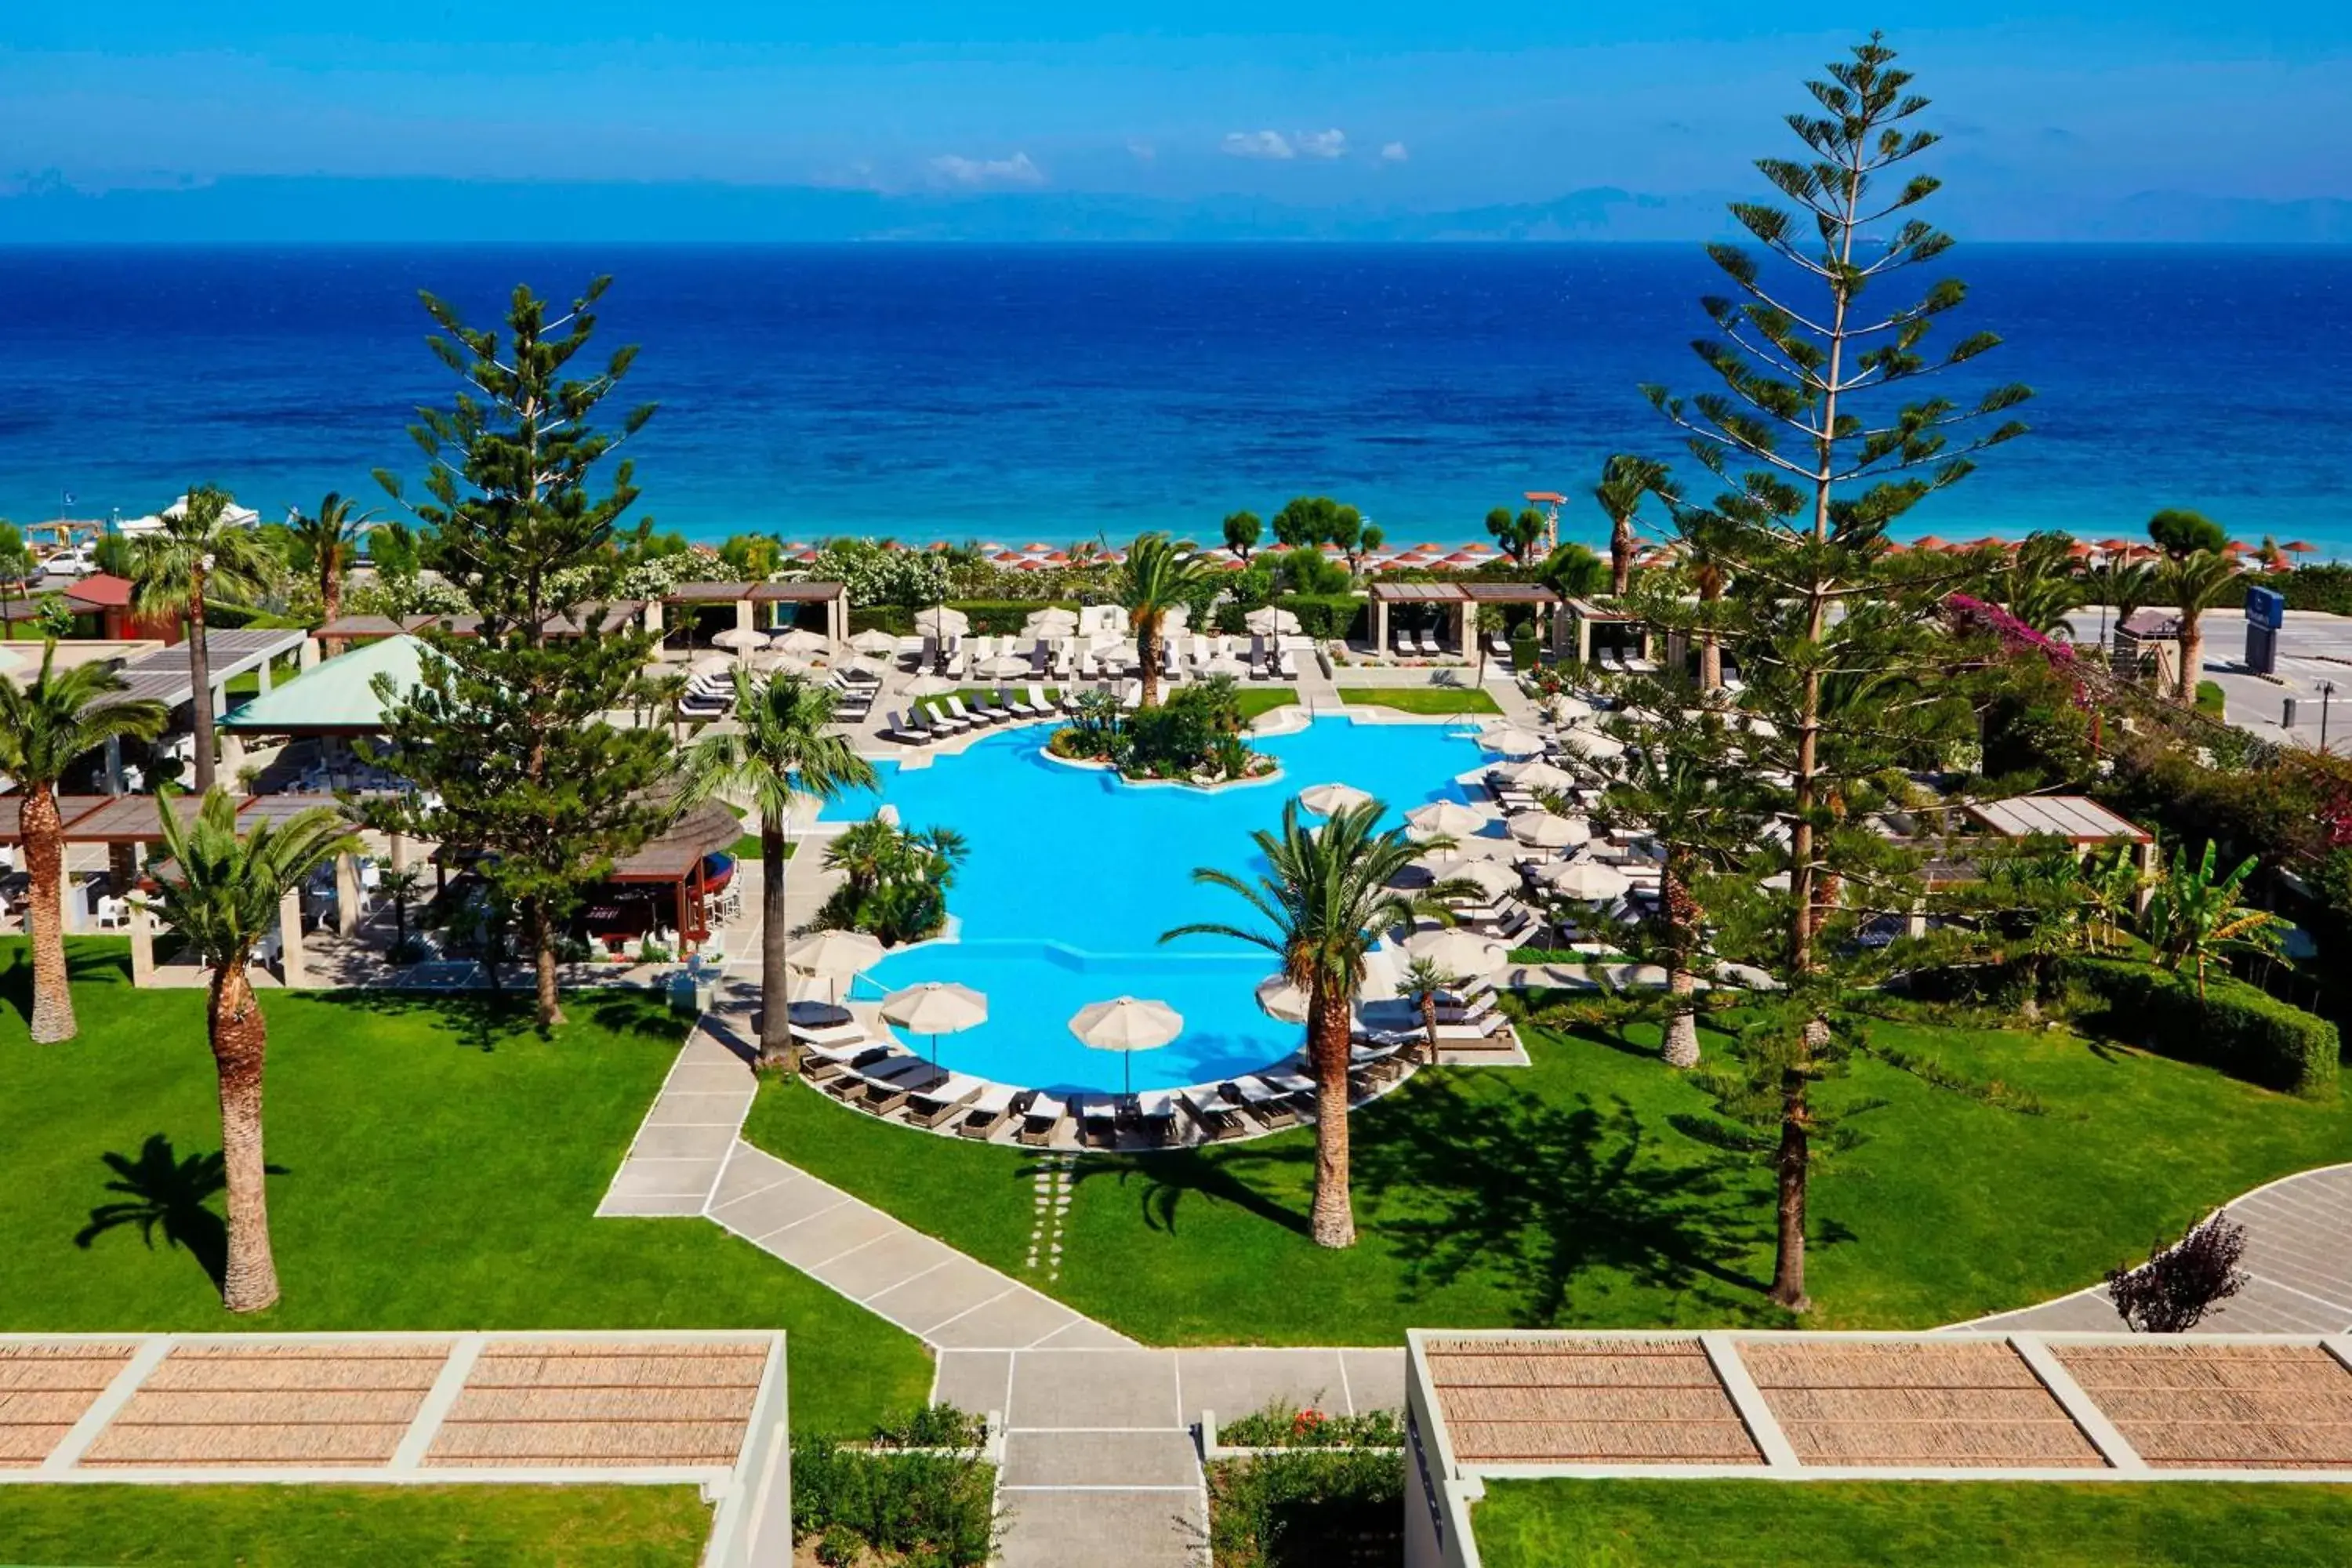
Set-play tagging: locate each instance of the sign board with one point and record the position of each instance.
(2266, 607)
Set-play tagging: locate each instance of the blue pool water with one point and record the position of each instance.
(1072, 876)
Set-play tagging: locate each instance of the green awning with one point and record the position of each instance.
(339, 696)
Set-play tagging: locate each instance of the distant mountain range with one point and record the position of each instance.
(284, 210)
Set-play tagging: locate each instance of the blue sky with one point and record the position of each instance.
(1310, 102)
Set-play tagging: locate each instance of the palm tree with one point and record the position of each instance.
(17, 566)
(2123, 585)
(327, 540)
(1624, 481)
(1483, 624)
(1154, 580)
(2195, 582)
(1425, 981)
(193, 556)
(2196, 916)
(1690, 798)
(222, 897)
(1325, 900)
(785, 742)
(2112, 881)
(1708, 561)
(45, 726)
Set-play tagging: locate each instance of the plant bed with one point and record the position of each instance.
(1308, 1507)
(918, 1491)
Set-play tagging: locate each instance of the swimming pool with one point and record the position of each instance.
(1072, 876)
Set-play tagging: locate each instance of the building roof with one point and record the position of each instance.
(2077, 818)
(134, 818)
(1483, 592)
(162, 676)
(757, 592)
(102, 589)
(673, 855)
(339, 696)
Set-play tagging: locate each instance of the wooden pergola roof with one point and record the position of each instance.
(1458, 593)
(756, 593)
(674, 855)
(135, 818)
(2077, 818)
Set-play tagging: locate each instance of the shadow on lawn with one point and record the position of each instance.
(85, 965)
(164, 1191)
(1168, 1179)
(1541, 1195)
(484, 1021)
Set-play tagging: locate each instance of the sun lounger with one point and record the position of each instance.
(1020, 708)
(1286, 667)
(1097, 1116)
(823, 1066)
(929, 1107)
(987, 712)
(1043, 704)
(832, 1038)
(1430, 647)
(956, 710)
(1155, 1114)
(1269, 1106)
(905, 734)
(1044, 1119)
(993, 1109)
(1217, 1117)
(851, 1084)
(1130, 698)
(887, 1089)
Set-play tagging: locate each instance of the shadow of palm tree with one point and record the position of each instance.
(165, 1192)
(1162, 1181)
(1540, 1194)
(87, 964)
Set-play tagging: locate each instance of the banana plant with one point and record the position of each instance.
(2197, 915)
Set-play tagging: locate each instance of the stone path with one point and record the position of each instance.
(2298, 1252)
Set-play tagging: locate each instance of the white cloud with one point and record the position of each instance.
(1257, 144)
(975, 173)
(1323, 144)
(1141, 152)
(1394, 153)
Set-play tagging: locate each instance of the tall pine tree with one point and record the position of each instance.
(1821, 444)
(511, 730)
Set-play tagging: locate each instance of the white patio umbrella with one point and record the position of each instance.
(835, 956)
(1544, 775)
(1126, 1025)
(1592, 744)
(931, 685)
(1269, 621)
(942, 621)
(710, 664)
(1283, 999)
(1510, 741)
(1176, 619)
(1006, 666)
(875, 640)
(1543, 830)
(1445, 819)
(1589, 881)
(1051, 622)
(1457, 951)
(1566, 710)
(801, 643)
(936, 1007)
(1491, 878)
(1325, 799)
(740, 639)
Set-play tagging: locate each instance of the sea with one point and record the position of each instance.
(1042, 393)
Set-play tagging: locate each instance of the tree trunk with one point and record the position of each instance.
(1621, 556)
(330, 595)
(1682, 913)
(1146, 653)
(1710, 663)
(1334, 1213)
(1681, 1045)
(2192, 659)
(200, 674)
(45, 858)
(1792, 1163)
(1429, 1024)
(777, 1048)
(542, 945)
(240, 1036)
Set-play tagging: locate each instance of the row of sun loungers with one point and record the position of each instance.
(1416, 645)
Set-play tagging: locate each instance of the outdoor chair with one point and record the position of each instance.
(884, 1090)
(929, 1107)
(1218, 1117)
(989, 712)
(1266, 1104)
(993, 1110)
(899, 730)
(1017, 706)
(1043, 1122)
(113, 913)
(1155, 1118)
(1097, 1116)
(1287, 667)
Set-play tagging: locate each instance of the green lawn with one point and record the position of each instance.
(1893, 1524)
(1422, 699)
(438, 1168)
(1254, 701)
(300, 1527)
(1564, 1193)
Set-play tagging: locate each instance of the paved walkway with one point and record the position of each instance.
(2298, 1253)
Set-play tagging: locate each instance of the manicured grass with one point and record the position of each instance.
(1256, 699)
(1566, 1194)
(1422, 699)
(439, 1166)
(1823, 1524)
(296, 1527)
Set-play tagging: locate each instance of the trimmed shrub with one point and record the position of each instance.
(1003, 617)
(1523, 649)
(1307, 1508)
(1326, 614)
(2241, 1029)
(929, 1505)
(897, 619)
(2325, 589)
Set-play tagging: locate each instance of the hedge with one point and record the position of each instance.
(2241, 1029)
(2327, 587)
(1326, 614)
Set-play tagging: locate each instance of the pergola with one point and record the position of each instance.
(1459, 602)
(747, 596)
(678, 859)
(1583, 616)
(610, 617)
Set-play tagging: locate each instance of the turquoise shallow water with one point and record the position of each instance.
(1072, 876)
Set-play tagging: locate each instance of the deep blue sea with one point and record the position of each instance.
(1048, 393)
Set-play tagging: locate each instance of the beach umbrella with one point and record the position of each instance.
(1327, 799)
(931, 685)
(2299, 546)
(1544, 775)
(939, 621)
(936, 1007)
(1491, 878)
(1268, 621)
(1283, 999)
(710, 664)
(833, 956)
(1051, 623)
(1591, 743)
(1566, 710)
(740, 639)
(1457, 951)
(1510, 741)
(1543, 830)
(1177, 618)
(1006, 666)
(1126, 1025)
(1588, 881)
(1445, 819)
(874, 641)
(801, 643)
